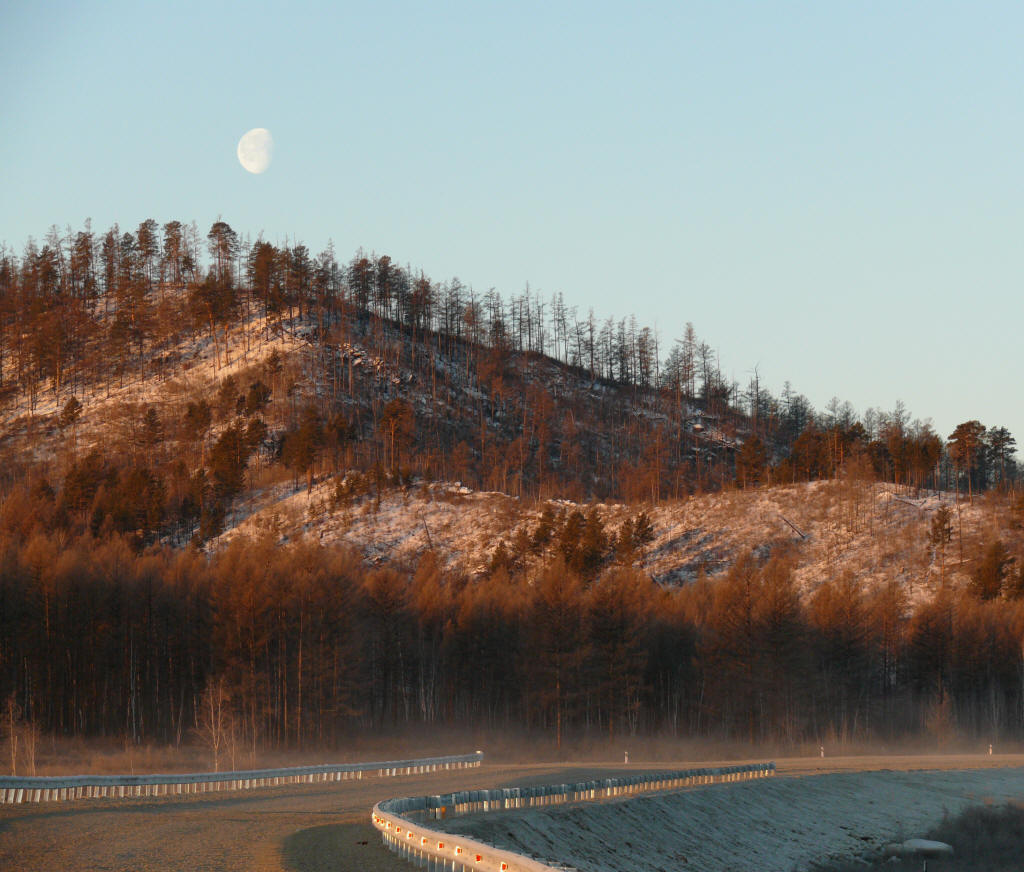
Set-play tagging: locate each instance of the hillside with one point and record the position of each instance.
(848, 525)
(872, 532)
(303, 500)
(106, 339)
(378, 401)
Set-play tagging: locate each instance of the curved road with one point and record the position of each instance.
(306, 828)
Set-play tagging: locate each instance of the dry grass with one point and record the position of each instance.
(984, 837)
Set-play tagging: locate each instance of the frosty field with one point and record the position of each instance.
(783, 823)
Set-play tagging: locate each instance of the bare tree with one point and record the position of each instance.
(215, 719)
(12, 723)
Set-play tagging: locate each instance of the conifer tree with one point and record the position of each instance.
(965, 446)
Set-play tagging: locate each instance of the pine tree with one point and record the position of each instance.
(965, 446)
(940, 532)
(988, 576)
(751, 460)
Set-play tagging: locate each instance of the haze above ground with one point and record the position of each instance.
(833, 195)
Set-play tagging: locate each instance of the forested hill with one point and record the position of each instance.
(181, 370)
(240, 476)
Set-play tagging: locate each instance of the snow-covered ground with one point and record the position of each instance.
(192, 369)
(875, 532)
(772, 825)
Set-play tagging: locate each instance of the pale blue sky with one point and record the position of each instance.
(829, 191)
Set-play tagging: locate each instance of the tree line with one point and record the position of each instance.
(301, 645)
(526, 395)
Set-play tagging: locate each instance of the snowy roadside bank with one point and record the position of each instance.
(781, 823)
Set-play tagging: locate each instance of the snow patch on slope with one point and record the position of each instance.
(874, 532)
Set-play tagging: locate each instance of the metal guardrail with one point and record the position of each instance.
(63, 788)
(408, 825)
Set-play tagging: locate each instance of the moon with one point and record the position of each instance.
(255, 150)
